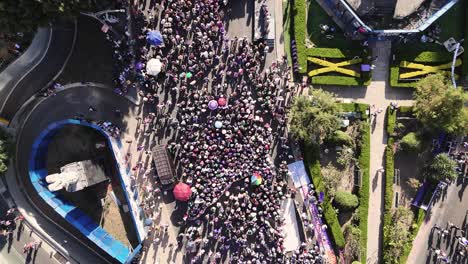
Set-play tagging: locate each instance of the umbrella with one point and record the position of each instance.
(256, 179)
(212, 105)
(188, 75)
(222, 101)
(139, 65)
(218, 124)
(148, 221)
(182, 192)
(154, 38)
(153, 67)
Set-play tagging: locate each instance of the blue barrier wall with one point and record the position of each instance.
(37, 174)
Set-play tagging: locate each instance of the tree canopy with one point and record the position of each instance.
(441, 167)
(27, 15)
(314, 117)
(439, 106)
(5, 150)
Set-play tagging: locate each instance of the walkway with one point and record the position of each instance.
(380, 94)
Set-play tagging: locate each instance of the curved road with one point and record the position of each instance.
(42, 112)
(40, 64)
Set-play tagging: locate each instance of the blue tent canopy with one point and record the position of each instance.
(155, 38)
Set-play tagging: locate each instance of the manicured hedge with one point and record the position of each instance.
(395, 79)
(341, 80)
(426, 56)
(355, 107)
(363, 193)
(389, 174)
(312, 162)
(405, 109)
(391, 120)
(388, 196)
(332, 53)
(300, 33)
(421, 57)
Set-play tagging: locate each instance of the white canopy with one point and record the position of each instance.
(153, 67)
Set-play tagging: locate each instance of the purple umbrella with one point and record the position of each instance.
(212, 105)
(139, 65)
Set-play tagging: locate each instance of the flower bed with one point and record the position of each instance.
(336, 77)
(428, 58)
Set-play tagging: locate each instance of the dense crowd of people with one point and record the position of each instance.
(451, 244)
(228, 112)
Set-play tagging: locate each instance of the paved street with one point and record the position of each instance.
(32, 79)
(451, 207)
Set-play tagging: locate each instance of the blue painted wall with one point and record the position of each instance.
(37, 174)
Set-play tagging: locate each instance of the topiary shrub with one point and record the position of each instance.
(340, 138)
(411, 143)
(346, 201)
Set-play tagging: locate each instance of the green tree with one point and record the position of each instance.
(315, 117)
(5, 151)
(331, 179)
(340, 138)
(345, 200)
(27, 15)
(439, 106)
(441, 167)
(411, 143)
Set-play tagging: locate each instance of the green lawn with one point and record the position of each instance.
(316, 16)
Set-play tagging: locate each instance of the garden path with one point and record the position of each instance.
(378, 94)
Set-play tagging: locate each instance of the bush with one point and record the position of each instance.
(411, 143)
(340, 138)
(391, 120)
(300, 33)
(341, 80)
(345, 200)
(405, 109)
(363, 193)
(334, 226)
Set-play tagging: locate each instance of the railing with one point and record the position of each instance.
(420, 26)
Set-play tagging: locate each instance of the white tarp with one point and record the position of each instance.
(290, 228)
(153, 67)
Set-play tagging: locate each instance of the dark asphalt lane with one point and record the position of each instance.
(66, 104)
(59, 49)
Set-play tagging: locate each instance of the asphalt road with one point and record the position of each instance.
(38, 77)
(452, 207)
(66, 104)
